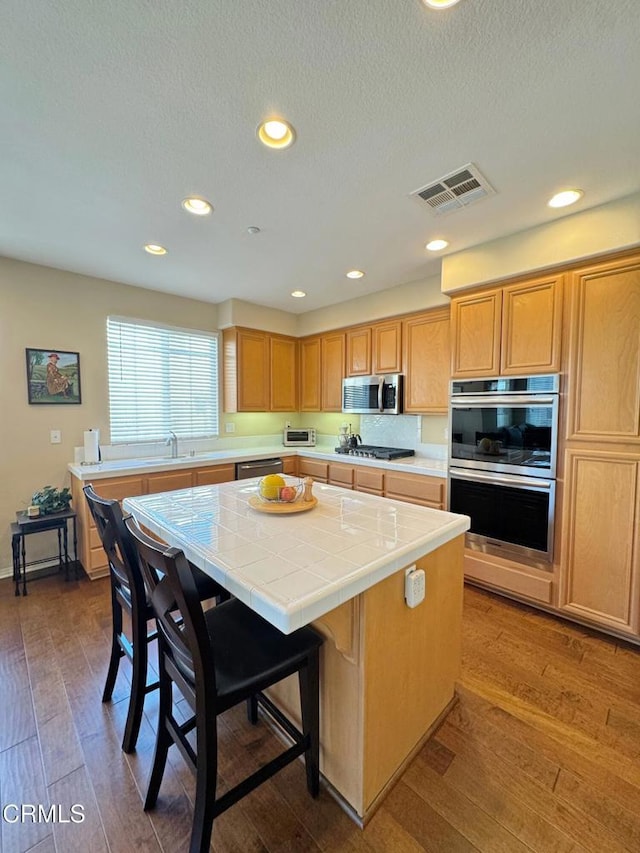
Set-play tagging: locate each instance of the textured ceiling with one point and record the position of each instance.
(114, 110)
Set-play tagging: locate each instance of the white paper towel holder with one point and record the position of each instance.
(95, 436)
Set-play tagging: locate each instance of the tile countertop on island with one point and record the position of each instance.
(411, 464)
(292, 569)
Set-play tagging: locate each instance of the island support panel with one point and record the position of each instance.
(388, 675)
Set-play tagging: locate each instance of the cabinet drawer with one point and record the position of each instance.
(429, 491)
(314, 468)
(341, 475)
(369, 480)
(167, 482)
(213, 475)
(119, 489)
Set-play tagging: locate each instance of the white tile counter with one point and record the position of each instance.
(87, 473)
(292, 569)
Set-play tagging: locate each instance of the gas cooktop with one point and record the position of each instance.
(372, 451)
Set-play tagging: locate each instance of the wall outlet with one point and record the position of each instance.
(55, 436)
(414, 586)
(229, 427)
(287, 424)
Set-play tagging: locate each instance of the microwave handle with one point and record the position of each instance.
(381, 394)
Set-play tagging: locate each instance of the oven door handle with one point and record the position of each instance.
(498, 479)
(488, 402)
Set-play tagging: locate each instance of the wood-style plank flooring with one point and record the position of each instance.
(541, 753)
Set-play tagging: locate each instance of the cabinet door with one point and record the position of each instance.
(213, 475)
(359, 352)
(340, 475)
(475, 332)
(415, 488)
(601, 570)
(310, 386)
(369, 480)
(531, 327)
(427, 362)
(387, 347)
(283, 364)
(253, 371)
(332, 352)
(168, 481)
(604, 402)
(313, 468)
(290, 465)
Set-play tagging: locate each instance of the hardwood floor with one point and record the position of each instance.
(541, 753)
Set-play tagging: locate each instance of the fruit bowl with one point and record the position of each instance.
(275, 489)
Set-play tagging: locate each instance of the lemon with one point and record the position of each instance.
(270, 486)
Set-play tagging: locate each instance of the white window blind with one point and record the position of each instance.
(160, 379)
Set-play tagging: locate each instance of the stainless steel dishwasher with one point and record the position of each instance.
(258, 468)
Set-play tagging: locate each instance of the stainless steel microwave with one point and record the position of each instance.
(373, 395)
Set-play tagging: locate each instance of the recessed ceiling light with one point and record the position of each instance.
(436, 245)
(298, 293)
(276, 133)
(199, 206)
(565, 198)
(155, 249)
(440, 4)
(354, 274)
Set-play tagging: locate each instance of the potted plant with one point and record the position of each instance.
(50, 499)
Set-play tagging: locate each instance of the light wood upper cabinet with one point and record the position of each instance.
(427, 358)
(358, 343)
(260, 371)
(333, 363)
(475, 330)
(604, 403)
(531, 327)
(246, 370)
(283, 364)
(510, 330)
(601, 570)
(310, 384)
(387, 347)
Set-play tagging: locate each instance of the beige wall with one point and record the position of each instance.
(416, 296)
(42, 308)
(607, 228)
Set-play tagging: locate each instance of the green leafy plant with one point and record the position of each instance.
(50, 499)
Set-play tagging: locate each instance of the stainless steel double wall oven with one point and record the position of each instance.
(502, 463)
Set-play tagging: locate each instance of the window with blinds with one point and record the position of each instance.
(160, 379)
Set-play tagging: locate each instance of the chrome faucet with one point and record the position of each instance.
(173, 441)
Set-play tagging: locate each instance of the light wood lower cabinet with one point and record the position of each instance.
(341, 475)
(415, 488)
(290, 465)
(369, 480)
(90, 551)
(215, 474)
(313, 468)
(600, 577)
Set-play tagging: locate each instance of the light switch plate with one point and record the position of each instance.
(229, 427)
(55, 436)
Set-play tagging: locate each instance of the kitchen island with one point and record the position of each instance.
(388, 671)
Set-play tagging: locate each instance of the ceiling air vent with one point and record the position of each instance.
(457, 189)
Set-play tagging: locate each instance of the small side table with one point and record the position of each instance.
(24, 526)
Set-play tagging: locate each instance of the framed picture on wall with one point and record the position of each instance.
(53, 377)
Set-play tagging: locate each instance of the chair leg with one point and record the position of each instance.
(138, 686)
(309, 680)
(116, 651)
(252, 709)
(206, 776)
(163, 739)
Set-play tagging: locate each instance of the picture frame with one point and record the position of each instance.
(53, 377)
